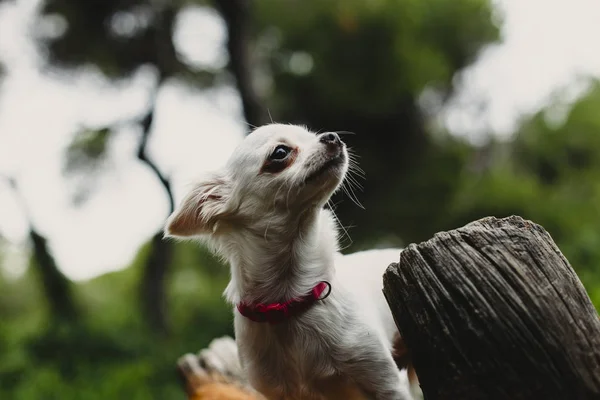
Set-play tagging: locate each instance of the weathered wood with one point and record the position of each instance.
(493, 310)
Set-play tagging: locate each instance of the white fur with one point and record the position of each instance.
(279, 240)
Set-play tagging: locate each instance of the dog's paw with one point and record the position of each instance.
(221, 357)
(192, 374)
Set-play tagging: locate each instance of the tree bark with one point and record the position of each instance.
(493, 310)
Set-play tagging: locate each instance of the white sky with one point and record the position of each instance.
(547, 45)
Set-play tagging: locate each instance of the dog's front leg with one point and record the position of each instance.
(372, 367)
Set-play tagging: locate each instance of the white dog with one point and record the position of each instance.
(309, 322)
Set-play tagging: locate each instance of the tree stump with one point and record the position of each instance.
(493, 310)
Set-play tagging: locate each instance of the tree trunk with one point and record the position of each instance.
(493, 310)
(56, 286)
(153, 285)
(237, 17)
(153, 282)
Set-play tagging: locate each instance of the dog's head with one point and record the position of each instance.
(277, 169)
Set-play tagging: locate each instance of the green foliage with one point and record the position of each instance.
(361, 66)
(110, 354)
(118, 37)
(84, 160)
(334, 65)
(367, 55)
(87, 150)
(129, 380)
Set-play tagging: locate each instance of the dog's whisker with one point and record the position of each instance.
(353, 182)
(355, 186)
(353, 165)
(352, 154)
(250, 125)
(355, 168)
(352, 196)
(340, 224)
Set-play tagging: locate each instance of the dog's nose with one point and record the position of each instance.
(330, 138)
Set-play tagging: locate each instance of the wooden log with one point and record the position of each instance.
(493, 310)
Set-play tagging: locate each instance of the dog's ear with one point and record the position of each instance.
(201, 209)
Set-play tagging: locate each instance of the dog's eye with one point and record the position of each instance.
(280, 153)
(281, 158)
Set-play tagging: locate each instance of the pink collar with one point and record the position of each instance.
(278, 312)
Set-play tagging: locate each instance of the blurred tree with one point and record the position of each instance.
(56, 286)
(116, 36)
(237, 16)
(363, 67)
(119, 37)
